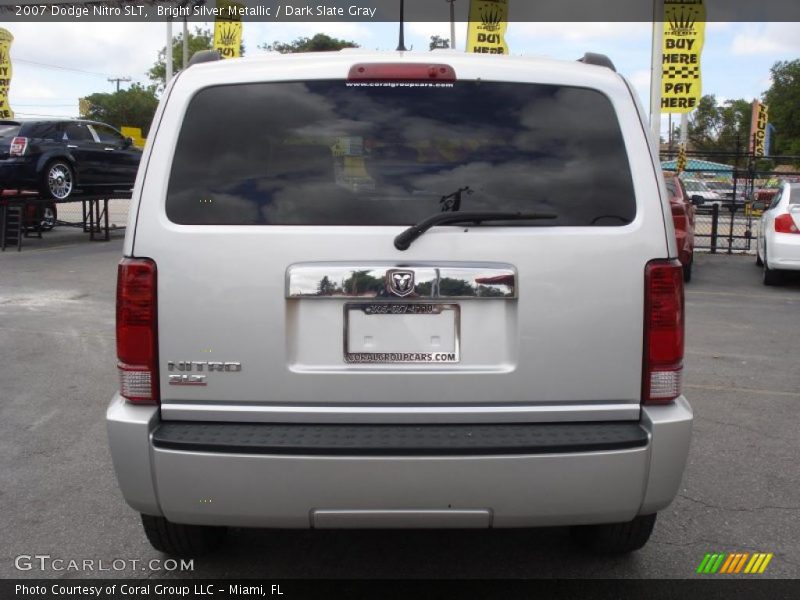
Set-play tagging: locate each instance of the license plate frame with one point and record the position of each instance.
(445, 356)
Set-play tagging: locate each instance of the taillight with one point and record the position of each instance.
(679, 216)
(663, 332)
(785, 224)
(402, 72)
(137, 356)
(18, 146)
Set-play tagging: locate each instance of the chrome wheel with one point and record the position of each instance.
(48, 218)
(59, 181)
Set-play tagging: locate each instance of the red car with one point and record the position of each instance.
(683, 210)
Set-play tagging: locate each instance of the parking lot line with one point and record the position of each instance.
(737, 390)
(739, 295)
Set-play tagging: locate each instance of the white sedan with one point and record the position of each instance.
(778, 243)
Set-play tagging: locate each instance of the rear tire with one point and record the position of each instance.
(759, 262)
(182, 540)
(687, 270)
(771, 276)
(615, 538)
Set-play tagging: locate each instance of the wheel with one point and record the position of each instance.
(687, 270)
(759, 262)
(182, 540)
(58, 180)
(615, 538)
(770, 276)
(48, 217)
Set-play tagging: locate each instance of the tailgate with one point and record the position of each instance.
(280, 291)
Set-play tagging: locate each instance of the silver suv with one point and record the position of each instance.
(376, 290)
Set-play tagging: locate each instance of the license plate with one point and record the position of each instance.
(401, 333)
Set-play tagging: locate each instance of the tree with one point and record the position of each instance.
(133, 107)
(734, 124)
(703, 123)
(438, 42)
(783, 100)
(201, 39)
(722, 128)
(319, 43)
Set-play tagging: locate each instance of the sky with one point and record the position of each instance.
(56, 63)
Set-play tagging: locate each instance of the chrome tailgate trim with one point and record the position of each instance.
(483, 281)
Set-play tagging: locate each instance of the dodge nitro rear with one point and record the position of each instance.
(396, 290)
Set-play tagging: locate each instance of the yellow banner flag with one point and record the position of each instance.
(684, 30)
(5, 73)
(84, 106)
(488, 20)
(228, 29)
(758, 128)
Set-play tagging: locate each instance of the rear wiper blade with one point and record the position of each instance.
(404, 239)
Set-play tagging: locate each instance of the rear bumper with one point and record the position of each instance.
(784, 252)
(17, 173)
(534, 481)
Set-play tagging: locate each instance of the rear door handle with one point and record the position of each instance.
(110, 149)
(71, 146)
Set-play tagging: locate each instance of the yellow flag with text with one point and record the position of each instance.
(5, 73)
(758, 128)
(488, 20)
(684, 31)
(228, 29)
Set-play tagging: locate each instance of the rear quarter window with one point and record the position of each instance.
(9, 129)
(331, 153)
(44, 131)
(794, 194)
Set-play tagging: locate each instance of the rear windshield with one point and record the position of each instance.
(332, 153)
(8, 129)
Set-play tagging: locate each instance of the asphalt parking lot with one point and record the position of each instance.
(59, 494)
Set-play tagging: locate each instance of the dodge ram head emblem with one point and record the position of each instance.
(400, 282)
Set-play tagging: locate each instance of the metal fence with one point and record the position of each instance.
(73, 214)
(732, 227)
(722, 230)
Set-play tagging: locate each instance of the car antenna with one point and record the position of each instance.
(401, 47)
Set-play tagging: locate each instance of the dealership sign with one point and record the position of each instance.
(228, 29)
(5, 73)
(488, 20)
(758, 129)
(684, 28)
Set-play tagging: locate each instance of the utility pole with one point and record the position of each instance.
(118, 80)
(452, 24)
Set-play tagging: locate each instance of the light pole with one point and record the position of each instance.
(452, 24)
(401, 43)
(185, 44)
(168, 53)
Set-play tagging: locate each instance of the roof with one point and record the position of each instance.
(272, 66)
(697, 165)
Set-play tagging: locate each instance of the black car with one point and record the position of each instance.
(60, 157)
